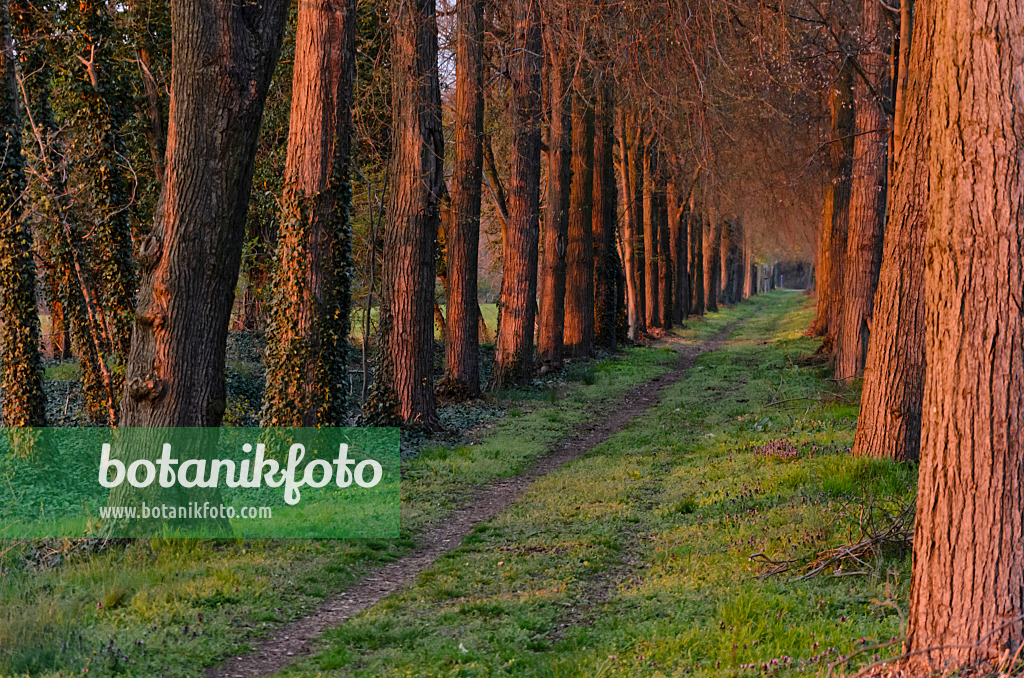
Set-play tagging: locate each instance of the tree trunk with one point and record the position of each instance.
(697, 235)
(462, 344)
(867, 197)
(712, 262)
(837, 198)
(21, 367)
(651, 231)
(514, 360)
(678, 224)
(579, 289)
(967, 586)
(630, 225)
(224, 56)
(890, 420)
(604, 217)
(665, 287)
(551, 339)
(307, 348)
(405, 363)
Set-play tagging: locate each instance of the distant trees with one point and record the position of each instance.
(579, 283)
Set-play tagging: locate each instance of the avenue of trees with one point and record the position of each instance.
(617, 166)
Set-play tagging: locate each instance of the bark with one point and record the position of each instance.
(307, 371)
(837, 197)
(697, 235)
(579, 288)
(867, 197)
(462, 343)
(967, 586)
(551, 339)
(21, 368)
(224, 56)
(889, 424)
(630, 265)
(404, 370)
(651, 233)
(514, 360)
(678, 225)
(604, 217)
(665, 287)
(712, 262)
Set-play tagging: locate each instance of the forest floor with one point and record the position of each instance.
(600, 527)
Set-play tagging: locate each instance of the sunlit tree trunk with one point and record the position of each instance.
(889, 424)
(514, 360)
(837, 197)
(631, 264)
(462, 343)
(867, 195)
(678, 224)
(21, 369)
(405, 362)
(190, 262)
(579, 288)
(665, 287)
(967, 586)
(307, 347)
(651, 231)
(604, 217)
(712, 262)
(551, 338)
(697, 235)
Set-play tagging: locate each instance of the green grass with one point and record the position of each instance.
(490, 313)
(635, 560)
(156, 607)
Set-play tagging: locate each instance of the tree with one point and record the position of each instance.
(462, 347)
(678, 224)
(307, 347)
(514, 359)
(651, 230)
(579, 287)
(867, 195)
(21, 369)
(551, 339)
(629, 172)
(712, 262)
(403, 377)
(604, 216)
(665, 240)
(966, 598)
(889, 424)
(224, 56)
(698, 228)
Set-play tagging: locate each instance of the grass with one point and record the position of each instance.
(490, 313)
(635, 560)
(162, 607)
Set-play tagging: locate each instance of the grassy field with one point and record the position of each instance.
(636, 560)
(156, 607)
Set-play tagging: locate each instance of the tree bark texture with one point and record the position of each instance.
(651, 232)
(462, 343)
(551, 339)
(665, 287)
(697, 235)
(604, 218)
(224, 56)
(867, 196)
(837, 197)
(307, 348)
(889, 424)
(967, 586)
(514, 360)
(678, 224)
(631, 263)
(579, 287)
(405, 362)
(712, 262)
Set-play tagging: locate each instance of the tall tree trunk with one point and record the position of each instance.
(867, 196)
(551, 339)
(967, 586)
(652, 229)
(630, 224)
(678, 224)
(837, 198)
(224, 56)
(307, 348)
(889, 424)
(665, 287)
(697, 235)
(462, 344)
(712, 262)
(737, 259)
(405, 361)
(579, 288)
(604, 217)
(21, 368)
(514, 360)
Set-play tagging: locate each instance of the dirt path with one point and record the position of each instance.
(296, 638)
